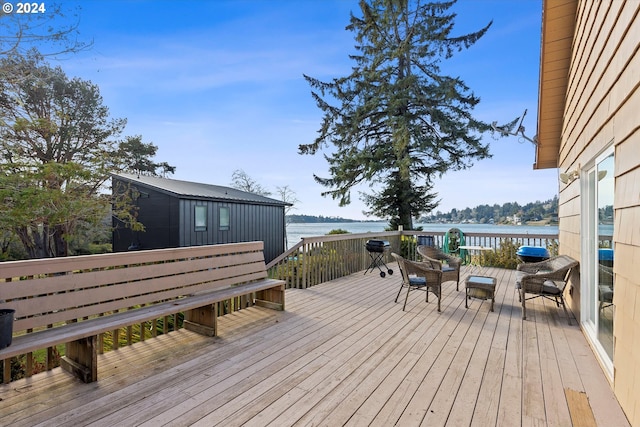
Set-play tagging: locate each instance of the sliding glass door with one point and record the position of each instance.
(598, 255)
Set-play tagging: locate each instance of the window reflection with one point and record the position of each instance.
(605, 197)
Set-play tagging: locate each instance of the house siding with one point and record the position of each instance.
(602, 108)
(247, 222)
(158, 212)
(166, 208)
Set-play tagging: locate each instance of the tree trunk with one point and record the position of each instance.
(34, 241)
(404, 206)
(61, 247)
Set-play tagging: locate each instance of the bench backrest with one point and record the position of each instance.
(45, 292)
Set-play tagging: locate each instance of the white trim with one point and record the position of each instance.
(589, 259)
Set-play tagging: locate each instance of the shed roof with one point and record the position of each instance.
(197, 190)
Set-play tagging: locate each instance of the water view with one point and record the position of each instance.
(297, 231)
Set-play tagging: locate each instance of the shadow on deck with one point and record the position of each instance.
(343, 354)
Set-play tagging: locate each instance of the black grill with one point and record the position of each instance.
(376, 249)
(377, 245)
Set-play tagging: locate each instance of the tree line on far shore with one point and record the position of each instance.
(507, 213)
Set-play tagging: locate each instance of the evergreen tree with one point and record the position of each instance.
(57, 149)
(138, 157)
(398, 121)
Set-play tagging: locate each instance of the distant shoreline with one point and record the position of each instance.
(540, 223)
(297, 231)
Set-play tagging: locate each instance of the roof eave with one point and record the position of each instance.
(558, 25)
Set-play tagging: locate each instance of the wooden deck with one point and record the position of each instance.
(343, 354)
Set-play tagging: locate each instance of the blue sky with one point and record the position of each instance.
(218, 86)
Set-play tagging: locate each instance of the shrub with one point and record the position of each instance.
(504, 256)
(337, 231)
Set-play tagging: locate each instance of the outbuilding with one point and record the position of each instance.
(181, 213)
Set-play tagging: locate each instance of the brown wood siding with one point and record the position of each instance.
(602, 104)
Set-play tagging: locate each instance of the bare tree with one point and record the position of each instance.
(52, 31)
(289, 196)
(242, 181)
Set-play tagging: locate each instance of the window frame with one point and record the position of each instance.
(200, 218)
(224, 223)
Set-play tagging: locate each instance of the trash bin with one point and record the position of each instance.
(6, 327)
(426, 241)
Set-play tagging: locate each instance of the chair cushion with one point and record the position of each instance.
(446, 269)
(549, 287)
(417, 281)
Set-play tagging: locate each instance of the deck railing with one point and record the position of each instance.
(318, 259)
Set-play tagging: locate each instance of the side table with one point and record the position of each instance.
(482, 287)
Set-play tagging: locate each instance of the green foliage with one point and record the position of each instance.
(100, 248)
(337, 231)
(57, 150)
(552, 247)
(138, 157)
(55, 140)
(39, 364)
(504, 256)
(47, 204)
(483, 214)
(10, 247)
(408, 246)
(398, 121)
(291, 219)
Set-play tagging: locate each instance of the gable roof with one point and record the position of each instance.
(196, 190)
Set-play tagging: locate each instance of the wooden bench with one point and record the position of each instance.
(73, 300)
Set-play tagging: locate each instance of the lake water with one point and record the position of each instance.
(299, 230)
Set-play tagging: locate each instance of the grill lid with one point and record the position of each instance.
(377, 245)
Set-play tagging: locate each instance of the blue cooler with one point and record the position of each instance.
(532, 253)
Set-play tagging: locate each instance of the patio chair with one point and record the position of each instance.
(437, 260)
(418, 276)
(545, 279)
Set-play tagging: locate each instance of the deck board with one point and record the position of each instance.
(343, 353)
